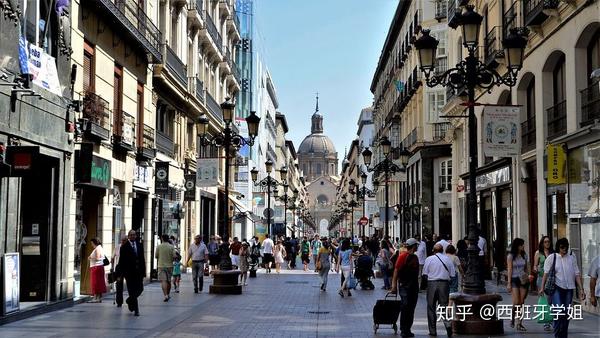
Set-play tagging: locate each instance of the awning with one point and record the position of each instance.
(239, 206)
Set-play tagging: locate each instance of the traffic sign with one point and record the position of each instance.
(363, 221)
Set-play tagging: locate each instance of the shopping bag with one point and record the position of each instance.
(544, 310)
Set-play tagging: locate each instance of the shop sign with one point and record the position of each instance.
(11, 272)
(140, 177)
(208, 172)
(492, 179)
(127, 128)
(161, 178)
(190, 187)
(100, 172)
(21, 159)
(91, 169)
(502, 130)
(556, 164)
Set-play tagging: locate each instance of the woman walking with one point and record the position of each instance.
(97, 283)
(385, 264)
(518, 270)
(566, 273)
(345, 261)
(544, 250)
(451, 253)
(278, 254)
(244, 256)
(323, 265)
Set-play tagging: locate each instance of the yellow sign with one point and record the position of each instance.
(556, 164)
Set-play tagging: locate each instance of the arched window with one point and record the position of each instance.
(593, 54)
(558, 81)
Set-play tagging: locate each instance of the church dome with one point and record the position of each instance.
(316, 144)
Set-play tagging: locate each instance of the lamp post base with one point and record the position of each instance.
(474, 324)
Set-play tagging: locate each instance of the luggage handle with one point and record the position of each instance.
(389, 294)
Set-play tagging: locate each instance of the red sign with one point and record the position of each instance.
(460, 188)
(363, 221)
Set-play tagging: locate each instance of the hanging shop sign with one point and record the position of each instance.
(161, 178)
(502, 131)
(556, 162)
(21, 159)
(492, 179)
(11, 275)
(190, 187)
(141, 177)
(208, 172)
(91, 169)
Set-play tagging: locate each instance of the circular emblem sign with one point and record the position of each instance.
(161, 174)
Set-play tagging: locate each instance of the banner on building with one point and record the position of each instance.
(207, 174)
(161, 178)
(501, 131)
(43, 68)
(190, 187)
(557, 159)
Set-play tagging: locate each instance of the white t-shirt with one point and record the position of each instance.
(444, 243)
(436, 270)
(594, 272)
(565, 270)
(481, 243)
(268, 246)
(422, 252)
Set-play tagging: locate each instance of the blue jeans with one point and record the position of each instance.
(562, 297)
(385, 274)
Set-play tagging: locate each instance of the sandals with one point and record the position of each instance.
(341, 293)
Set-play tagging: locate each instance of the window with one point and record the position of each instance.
(558, 81)
(318, 172)
(436, 102)
(531, 99)
(445, 176)
(118, 99)
(190, 136)
(39, 21)
(593, 57)
(140, 113)
(89, 71)
(441, 36)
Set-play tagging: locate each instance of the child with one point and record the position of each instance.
(177, 272)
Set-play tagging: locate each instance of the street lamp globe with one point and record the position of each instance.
(514, 46)
(405, 155)
(386, 146)
(471, 23)
(253, 121)
(426, 46)
(203, 123)
(269, 165)
(352, 184)
(285, 188)
(367, 154)
(283, 172)
(363, 178)
(227, 107)
(254, 173)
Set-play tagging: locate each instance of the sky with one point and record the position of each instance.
(325, 46)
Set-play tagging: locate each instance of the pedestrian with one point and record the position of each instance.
(346, 264)
(267, 253)
(421, 255)
(518, 270)
(133, 266)
(235, 252)
(305, 253)
(177, 272)
(213, 253)
(278, 254)
(315, 246)
(164, 254)
(462, 252)
(544, 250)
(454, 281)
(118, 275)
(244, 256)
(405, 282)
(323, 264)
(97, 282)
(255, 250)
(294, 251)
(429, 244)
(566, 277)
(594, 272)
(384, 261)
(198, 253)
(443, 242)
(439, 270)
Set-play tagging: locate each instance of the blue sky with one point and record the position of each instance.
(326, 46)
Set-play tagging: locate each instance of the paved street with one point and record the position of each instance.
(285, 305)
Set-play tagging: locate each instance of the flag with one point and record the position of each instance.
(399, 85)
(23, 59)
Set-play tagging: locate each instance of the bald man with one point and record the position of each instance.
(439, 269)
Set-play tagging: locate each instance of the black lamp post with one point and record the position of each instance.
(472, 73)
(361, 195)
(387, 167)
(287, 199)
(269, 184)
(229, 140)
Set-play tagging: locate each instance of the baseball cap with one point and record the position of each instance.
(411, 242)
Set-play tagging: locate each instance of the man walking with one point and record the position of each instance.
(198, 253)
(267, 253)
(405, 282)
(235, 252)
(132, 266)
(213, 253)
(316, 246)
(439, 269)
(118, 275)
(165, 253)
(294, 251)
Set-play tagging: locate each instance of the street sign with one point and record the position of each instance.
(363, 221)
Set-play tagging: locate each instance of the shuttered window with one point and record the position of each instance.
(118, 99)
(140, 113)
(88, 67)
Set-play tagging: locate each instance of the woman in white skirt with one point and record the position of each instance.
(278, 254)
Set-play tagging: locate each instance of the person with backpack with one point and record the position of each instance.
(405, 282)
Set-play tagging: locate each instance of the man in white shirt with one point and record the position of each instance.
(198, 253)
(421, 255)
(443, 242)
(594, 272)
(439, 269)
(268, 253)
(482, 244)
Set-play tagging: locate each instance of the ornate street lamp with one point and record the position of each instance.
(228, 140)
(472, 73)
(362, 194)
(269, 184)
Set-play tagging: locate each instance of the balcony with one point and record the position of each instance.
(557, 120)
(96, 117)
(225, 7)
(123, 130)
(536, 12)
(440, 130)
(195, 8)
(590, 104)
(199, 90)
(176, 67)
(412, 138)
(528, 134)
(493, 47)
(233, 25)
(213, 107)
(131, 21)
(146, 150)
(164, 144)
(454, 12)
(213, 32)
(509, 20)
(441, 9)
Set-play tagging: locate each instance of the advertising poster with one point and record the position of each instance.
(43, 68)
(208, 172)
(556, 164)
(11, 275)
(501, 131)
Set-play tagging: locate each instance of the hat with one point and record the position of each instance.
(411, 242)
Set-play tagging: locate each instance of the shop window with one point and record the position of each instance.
(39, 24)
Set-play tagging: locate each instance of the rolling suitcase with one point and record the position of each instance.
(386, 311)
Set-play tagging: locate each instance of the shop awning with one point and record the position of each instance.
(239, 206)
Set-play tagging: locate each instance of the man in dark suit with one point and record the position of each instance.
(133, 267)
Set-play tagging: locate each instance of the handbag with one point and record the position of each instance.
(111, 277)
(105, 261)
(352, 282)
(318, 265)
(524, 278)
(551, 280)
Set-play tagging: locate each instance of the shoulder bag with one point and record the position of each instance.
(551, 280)
(105, 261)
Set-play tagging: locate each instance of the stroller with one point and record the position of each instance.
(364, 271)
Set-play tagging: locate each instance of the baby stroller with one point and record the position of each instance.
(364, 271)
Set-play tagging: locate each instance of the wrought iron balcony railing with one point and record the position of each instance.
(200, 90)
(123, 130)
(213, 31)
(535, 11)
(528, 134)
(493, 47)
(146, 150)
(440, 130)
(590, 104)
(164, 144)
(213, 107)
(176, 66)
(96, 116)
(509, 20)
(557, 120)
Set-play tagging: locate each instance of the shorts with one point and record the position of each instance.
(214, 259)
(164, 274)
(268, 258)
(305, 258)
(178, 276)
(515, 282)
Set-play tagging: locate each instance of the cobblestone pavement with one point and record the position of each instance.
(286, 305)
